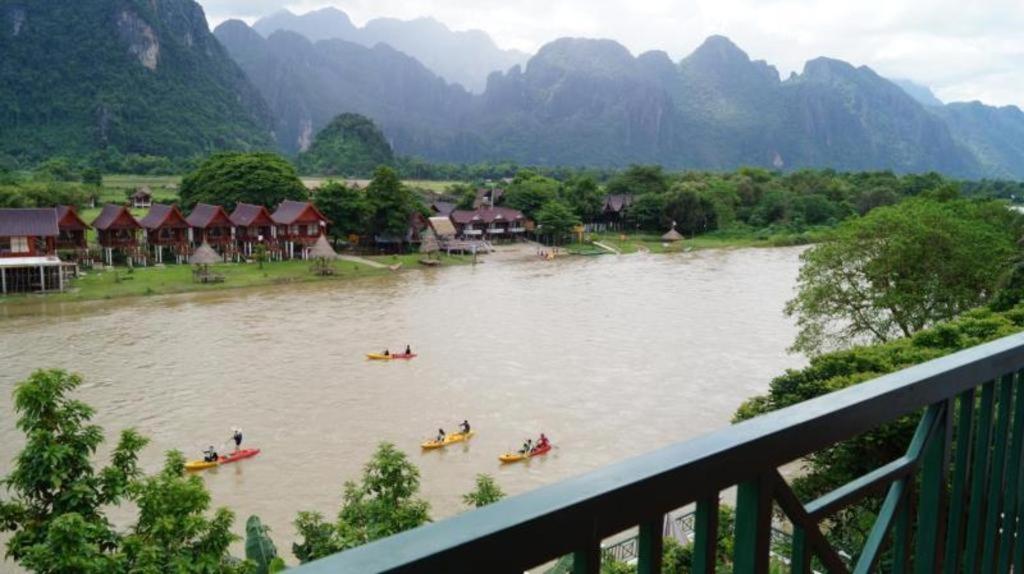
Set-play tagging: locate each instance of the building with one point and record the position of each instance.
(299, 224)
(211, 224)
(442, 208)
(166, 231)
(72, 230)
(488, 197)
(613, 212)
(117, 232)
(490, 223)
(28, 243)
(142, 198)
(254, 226)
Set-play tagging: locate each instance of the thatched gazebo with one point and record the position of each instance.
(201, 259)
(672, 235)
(429, 246)
(323, 254)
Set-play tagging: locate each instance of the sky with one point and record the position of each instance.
(962, 49)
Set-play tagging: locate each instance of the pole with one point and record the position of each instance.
(3, 281)
(42, 278)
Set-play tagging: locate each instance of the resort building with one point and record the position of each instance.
(442, 208)
(72, 230)
(28, 242)
(166, 230)
(211, 224)
(253, 226)
(613, 212)
(490, 223)
(142, 198)
(299, 224)
(117, 231)
(488, 197)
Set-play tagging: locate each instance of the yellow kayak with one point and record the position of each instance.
(391, 357)
(199, 464)
(448, 439)
(518, 456)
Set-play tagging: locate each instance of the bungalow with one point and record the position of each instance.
(253, 226)
(167, 228)
(489, 223)
(488, 197)
(442, 208)
(211, 224)
(142, 198)
(613, 212)
(298, 223)
(28, 240)
(117, 230)
(72, 230)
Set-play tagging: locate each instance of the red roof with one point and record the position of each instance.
(246, 214)
(486, 215)
(205, 215)
(161, 216)
(290, 212)
(67, 218)
(28, 222)
(115, 217)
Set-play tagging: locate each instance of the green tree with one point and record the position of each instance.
(647, 212)
(900, 269)
(57, 169)
(230, 178)
(691, 211)
(486, 492)
(348, 208)
(351, 145)
(384, 503)
(57, 495)
(584, 196)
(529, 192)
(390, 202)
(639, 180)
(464, 195)
(92, 176)
(556, 220)
(260, 549)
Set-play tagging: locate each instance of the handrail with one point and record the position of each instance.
(579, 512)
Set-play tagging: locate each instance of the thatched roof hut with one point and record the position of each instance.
(204, 255)
(672, 235)
(429, 243)
(322, 249)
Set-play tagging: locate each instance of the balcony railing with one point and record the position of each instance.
(952, 502)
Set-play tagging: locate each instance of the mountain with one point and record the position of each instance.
(351, 145)
(922, 94)
(121, 76)
(463, 57)
(994, 135)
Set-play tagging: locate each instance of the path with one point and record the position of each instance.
(355, 259)
(607, 248)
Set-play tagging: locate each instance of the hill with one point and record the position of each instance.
(351, 146)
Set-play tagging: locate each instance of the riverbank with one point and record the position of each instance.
(627, 243)
(123, 282)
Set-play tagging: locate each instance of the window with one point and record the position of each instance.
(19, 245)
(313, 229)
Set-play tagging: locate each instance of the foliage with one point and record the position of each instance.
(390, 202)
(351, 145)
(382, 504)
(900, 269)
(584, 196)
(639, 180)
(48, 194)
(689, 210)
(464, 195)
(556, 220)
(230, 178)
(260, 549)
(348, 208)
(530, 191)
(486, 492)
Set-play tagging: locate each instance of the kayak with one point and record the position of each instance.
(518, 456)
(228, 458)
(383, 357)
(448, 439)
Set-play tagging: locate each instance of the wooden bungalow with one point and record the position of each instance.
(442, 208)
(28, 242)
(613, 212)
(253, 226)
(166, 229)
(211, 224)
(489, 223)
(142, 198)
(118, 231)
(299, 225)
(72, 229)
(488, 197)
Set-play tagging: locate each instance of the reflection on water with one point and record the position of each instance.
(610, 356)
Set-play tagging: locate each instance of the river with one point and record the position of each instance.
(610, 356)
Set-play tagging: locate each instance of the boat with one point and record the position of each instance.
(448, 439)
(383, 357)
(226, 459)
(518, 456)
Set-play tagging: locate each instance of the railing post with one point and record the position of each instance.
(587, 560)
(801, 555)
(1010, 529)
(933, 492)
(753, 526)
(995, 488)
(976, 503)
(650, 544)
(964, 433)
(705, 539)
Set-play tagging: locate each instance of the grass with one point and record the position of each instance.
(723, 239)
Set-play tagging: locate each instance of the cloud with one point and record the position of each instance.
(962, 50)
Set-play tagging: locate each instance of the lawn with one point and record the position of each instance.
(724, 239)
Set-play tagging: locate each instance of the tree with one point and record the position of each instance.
(92, 177)
(900, 269)
(260, 549)
(692, 212)
(57, 495)
(464, 194)
(347, 207)
(584, 196)
(351, 145)
(639, 180)
(231, 178)
(390, 203)
(529, 192)
(486, 492)
(384, 503)
(556, 220)
(647, 211)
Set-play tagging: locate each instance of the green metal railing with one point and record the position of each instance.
(952, 502)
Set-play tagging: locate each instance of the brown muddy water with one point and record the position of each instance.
(609, 356)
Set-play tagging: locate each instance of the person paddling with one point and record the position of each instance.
(464, 427)
(210, 454)
(542, 441)
(408, 350)
(527, 446)
(236, 435)
(387, 353)
(440, 435)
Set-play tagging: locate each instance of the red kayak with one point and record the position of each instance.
(235, 456)
(540, 450)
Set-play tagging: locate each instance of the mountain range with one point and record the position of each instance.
(141, 76)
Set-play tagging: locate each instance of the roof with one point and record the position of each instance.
(486, 215)
(204, 255)
(161, 215)
(488, 196)
(205, 215)
(616, 202)
(67, 218)
(246, 214)
(142, 192)
(322, 249)
(28, 222)
(672, 235)
(442, 226)
(47, 261)
(444, 208)
(115, 217)
(292, 211)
